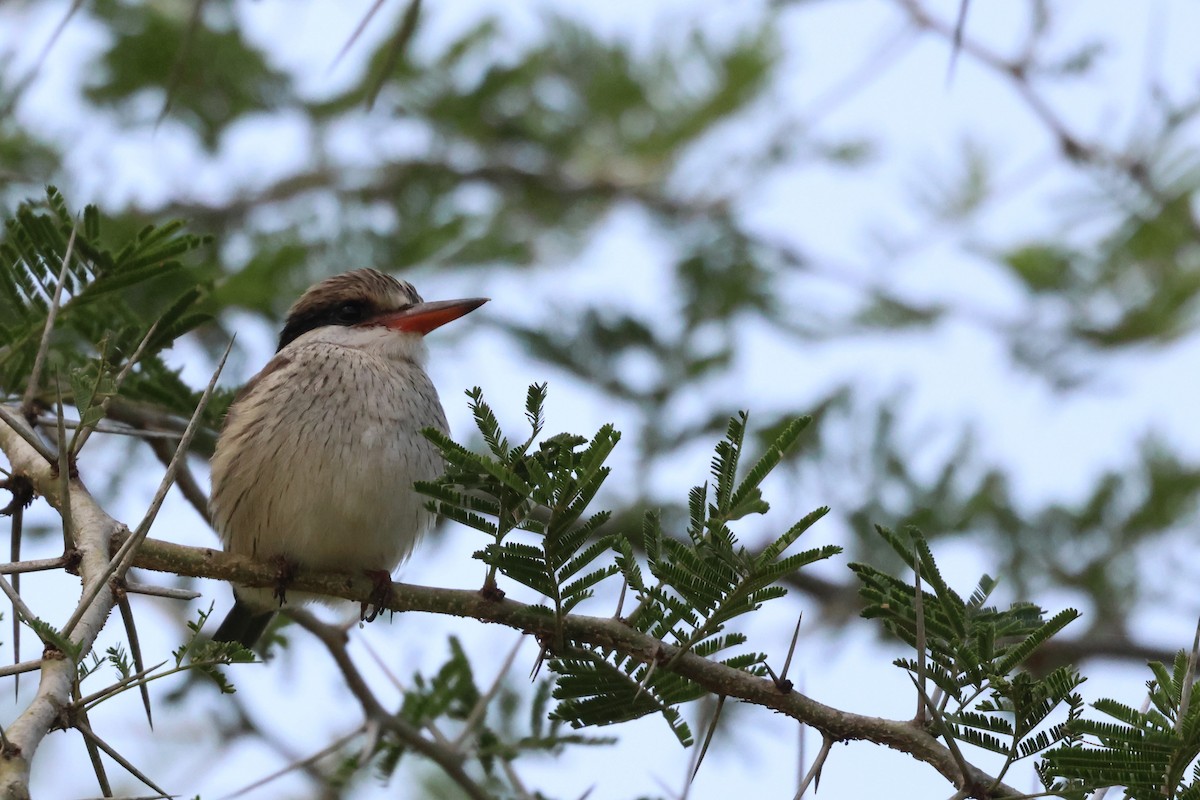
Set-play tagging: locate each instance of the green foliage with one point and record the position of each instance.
(203, 656)
(450, 693)
(702, 583)
(973, 653)
(708, 580)
(212, 75)
(451, 702)
(1150, 752)
(54, 638)
(543, 491)
(24, 160)
(113, 295)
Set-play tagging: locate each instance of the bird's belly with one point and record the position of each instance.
(351, 511)
(327, 482)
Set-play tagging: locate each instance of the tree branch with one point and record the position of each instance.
(94, 530)
(600, 632)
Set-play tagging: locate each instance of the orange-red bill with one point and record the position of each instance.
(424, 317)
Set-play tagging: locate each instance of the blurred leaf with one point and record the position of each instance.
(213, 74)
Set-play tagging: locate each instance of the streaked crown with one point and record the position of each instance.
(346, 299)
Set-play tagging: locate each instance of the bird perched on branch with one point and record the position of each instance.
(316, 460)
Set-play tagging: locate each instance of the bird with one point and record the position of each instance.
(315, 462)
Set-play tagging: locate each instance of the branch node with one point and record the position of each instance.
(490, 591)
(21, 488)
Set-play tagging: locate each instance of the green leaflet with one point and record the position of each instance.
(534, 500)
(113, 293)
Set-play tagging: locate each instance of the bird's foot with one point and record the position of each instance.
(380, 595)
(285, 572)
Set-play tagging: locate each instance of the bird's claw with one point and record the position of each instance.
(380, 595)
(285, 571)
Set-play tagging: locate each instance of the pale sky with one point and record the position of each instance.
(1055, 443)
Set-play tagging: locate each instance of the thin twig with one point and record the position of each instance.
(17, 525)
(38, 565)
(383, 666)
(64, 475)
(333, 747)
(17, 669)
(921, 641)
(515, 781)
(373, 729)
(146, 677)
(82, 432)
(960, 27)
(358, 31)
(25, 432)
(18, 604)
(120, 561)
(408, 24)
(84, 729)
(169, 592)
(39, 360)
(119, 686)
(116, 429)
(480, 708)
(189, 487)
(334, 639)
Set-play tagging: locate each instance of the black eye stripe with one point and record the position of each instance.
(343, 312)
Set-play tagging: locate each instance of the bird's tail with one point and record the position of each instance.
(243, 624)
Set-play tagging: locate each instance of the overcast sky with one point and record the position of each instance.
(920, 119)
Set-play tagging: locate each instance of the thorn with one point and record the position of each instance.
(135, 648)
(814, 773)
(620, 600)
(712, 727)
(960, 26)
(783, 685)
(543, 651)
(787, 663)
(358, 31)
(658, 654)
(21, 489)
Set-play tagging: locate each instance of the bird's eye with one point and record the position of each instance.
(350, 312)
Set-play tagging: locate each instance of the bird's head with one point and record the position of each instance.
(365, 307)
